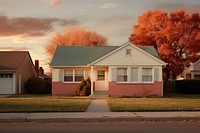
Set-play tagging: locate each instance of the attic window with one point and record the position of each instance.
(128, 52)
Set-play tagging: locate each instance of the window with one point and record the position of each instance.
(128, 52)
(101, 75)
(73, 75)
(79, 75)
(6, 75)
(122, 74)
(134, 74)
(68, 75)
(147, 75)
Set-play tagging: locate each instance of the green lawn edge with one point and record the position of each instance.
(170, 102)
(43, 103)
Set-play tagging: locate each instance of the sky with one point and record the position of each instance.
(28, 25)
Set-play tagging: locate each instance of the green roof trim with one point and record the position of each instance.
(84, 55)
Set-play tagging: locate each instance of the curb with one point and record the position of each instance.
(99, 116)
(100, 119)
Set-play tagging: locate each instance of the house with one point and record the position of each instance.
(16, 67)
(192, 72)
(125, 70)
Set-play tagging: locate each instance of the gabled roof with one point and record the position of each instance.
(79, 55)
(11, 60)
(84, 55)
(151, 50)
(191, 67)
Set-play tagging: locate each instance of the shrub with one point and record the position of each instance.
(188, 86)
(84, 88)
(38, 86)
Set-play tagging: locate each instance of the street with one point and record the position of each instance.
(102, 127)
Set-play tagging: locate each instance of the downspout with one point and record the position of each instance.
(92, 79)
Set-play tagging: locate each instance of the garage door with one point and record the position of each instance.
(6, 84)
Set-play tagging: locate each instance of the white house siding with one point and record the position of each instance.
(137, 58)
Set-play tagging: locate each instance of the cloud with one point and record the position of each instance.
(51, 3)
(109, 5)
(54, 3)
(30, 27)
(14, 49)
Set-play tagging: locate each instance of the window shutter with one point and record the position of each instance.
(61, 75)
(113, 74)
(156, 74)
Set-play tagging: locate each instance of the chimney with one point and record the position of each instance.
(37, 67)
(41, 71)
(95, 43)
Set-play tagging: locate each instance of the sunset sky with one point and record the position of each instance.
(29, 24)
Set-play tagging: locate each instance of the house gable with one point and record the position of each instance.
(196, 65)
(138, 57)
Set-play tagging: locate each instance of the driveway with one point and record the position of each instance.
(3, 96)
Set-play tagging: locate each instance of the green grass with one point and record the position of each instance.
(171, 102)
(43, 103)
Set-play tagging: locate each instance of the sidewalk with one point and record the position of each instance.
(98, 116)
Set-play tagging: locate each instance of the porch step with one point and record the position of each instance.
(99, 95)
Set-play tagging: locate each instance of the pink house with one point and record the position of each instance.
(125, 70)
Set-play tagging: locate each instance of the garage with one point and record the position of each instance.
(6, 84)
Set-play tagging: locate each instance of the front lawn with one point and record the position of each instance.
(174, 102)
(43, 103)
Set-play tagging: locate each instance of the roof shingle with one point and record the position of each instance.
(11, 60)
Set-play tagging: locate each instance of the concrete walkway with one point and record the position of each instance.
(98, 105)
(98, 102)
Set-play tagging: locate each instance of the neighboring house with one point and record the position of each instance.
(40, 72)
(125, 70)
(16, 67)
(192, 72)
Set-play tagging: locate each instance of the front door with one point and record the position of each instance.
(101, 83)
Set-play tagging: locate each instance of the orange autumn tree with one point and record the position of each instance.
(75, 36)
(175, 36)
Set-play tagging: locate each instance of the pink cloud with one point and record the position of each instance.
(109, 5)
(14, 49)
(54, 3)
(30, 27)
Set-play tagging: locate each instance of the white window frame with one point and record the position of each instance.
(128, 52)
(74, 75)
(122, 75)
(152, 74)
(139, 74)
(70, 75)
(101, 74)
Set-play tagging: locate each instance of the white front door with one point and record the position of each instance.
(101, 83)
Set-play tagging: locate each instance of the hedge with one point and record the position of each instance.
(38, 86)
(187, 86)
